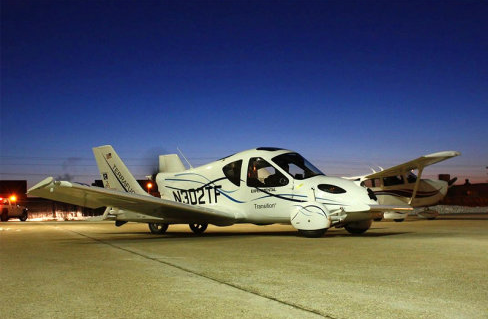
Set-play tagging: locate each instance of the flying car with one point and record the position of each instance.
(262, 186)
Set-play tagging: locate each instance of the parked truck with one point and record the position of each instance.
(10, 209)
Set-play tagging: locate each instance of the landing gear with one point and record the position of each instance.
(157, 228)
(312, 233)
(357, 228)
(198, 228)
(377, 217)
(428, 213)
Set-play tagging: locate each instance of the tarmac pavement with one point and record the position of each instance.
(414, 269)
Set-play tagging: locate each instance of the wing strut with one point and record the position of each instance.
(416, 187)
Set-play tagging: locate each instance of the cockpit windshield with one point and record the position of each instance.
(297, 166)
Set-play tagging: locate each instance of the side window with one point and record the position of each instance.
(411, 177)
(262, 174)
(393, 180)
(233, 172)
(372, 182)
(295, 171)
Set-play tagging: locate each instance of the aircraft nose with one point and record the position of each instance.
(438, 185)
(444, 189)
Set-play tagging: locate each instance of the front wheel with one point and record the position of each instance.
(316, 233)
(198, 228)
(359, 227)
(157, 228)
(23, 217)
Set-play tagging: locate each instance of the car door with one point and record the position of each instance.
(269, 191)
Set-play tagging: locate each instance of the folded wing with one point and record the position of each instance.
(95, 197)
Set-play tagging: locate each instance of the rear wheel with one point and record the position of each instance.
(316, 233)
(357, 228)
(198, 228)
(4, 216)
(157, 228)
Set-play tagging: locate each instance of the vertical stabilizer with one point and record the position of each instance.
(113, 171)
(170, 164)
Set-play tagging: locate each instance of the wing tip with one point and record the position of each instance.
(41, 184)
(447, 154)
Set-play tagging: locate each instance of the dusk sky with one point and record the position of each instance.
(349, 85)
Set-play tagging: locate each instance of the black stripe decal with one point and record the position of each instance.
(407, 193)
(116, 176)
(280, 197)
(214, 181)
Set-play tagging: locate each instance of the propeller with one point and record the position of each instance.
(152, 177)
(452, 181)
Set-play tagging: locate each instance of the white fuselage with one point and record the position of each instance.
(252, 201)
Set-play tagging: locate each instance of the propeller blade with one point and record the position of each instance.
(452, 181)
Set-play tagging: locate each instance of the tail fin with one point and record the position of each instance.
(170, 164)
(113, 171)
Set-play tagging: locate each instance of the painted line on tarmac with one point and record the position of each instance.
(158, 260)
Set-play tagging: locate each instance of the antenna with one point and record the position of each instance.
(184, 156)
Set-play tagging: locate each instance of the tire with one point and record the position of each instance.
(198, 228)
(357, 228)
(399, 220)
(157, 228)
(4, 216)
(378, 219)
(316, 233)
(23, 217)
